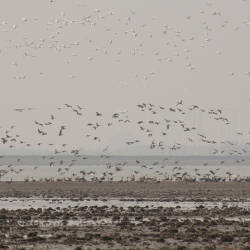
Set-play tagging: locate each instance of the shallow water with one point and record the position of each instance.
(19, 168)
(26, 203)
(159, 172)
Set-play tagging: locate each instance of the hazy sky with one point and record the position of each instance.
(112, 55)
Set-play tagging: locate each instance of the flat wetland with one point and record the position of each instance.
(165, 189)
(124, 215)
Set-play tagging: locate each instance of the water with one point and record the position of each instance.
(130, 160)
(19, 168)
(26, 203)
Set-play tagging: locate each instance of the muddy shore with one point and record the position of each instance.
(161, 190)
(117, 228)
(79, 227)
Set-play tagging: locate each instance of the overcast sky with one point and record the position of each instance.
(112, 55)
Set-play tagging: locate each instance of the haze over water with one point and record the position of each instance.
(119, 83)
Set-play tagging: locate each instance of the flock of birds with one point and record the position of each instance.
(131, 47)
(151, 128)
(123, 39)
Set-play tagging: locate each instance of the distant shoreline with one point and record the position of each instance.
(130, 159)
(125, 156)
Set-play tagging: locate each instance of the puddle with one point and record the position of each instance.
(26, 203)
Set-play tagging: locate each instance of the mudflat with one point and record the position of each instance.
(73, 223)
(115, 227)
(161, 190)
